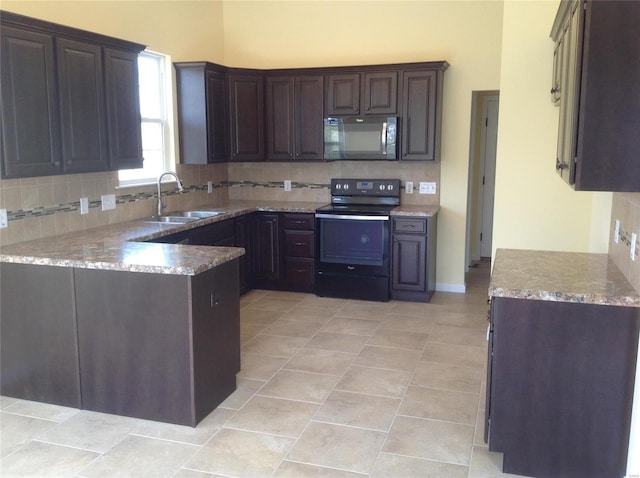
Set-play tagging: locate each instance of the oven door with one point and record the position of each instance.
(353, 242)
(352, 256)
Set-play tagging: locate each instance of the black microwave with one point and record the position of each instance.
(358, 137)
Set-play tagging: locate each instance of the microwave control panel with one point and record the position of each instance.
(365, 187)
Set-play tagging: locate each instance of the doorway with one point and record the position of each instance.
(482, 169)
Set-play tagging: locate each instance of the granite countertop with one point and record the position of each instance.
(121, 246)
(561, 277)
(415, 210)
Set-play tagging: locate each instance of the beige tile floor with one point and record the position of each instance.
(328, 388)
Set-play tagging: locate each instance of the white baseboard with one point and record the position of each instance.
(458, 288)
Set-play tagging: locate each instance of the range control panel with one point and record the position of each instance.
(365, 187)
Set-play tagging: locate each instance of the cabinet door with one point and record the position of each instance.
(419, 115)
(343, 94)
(82, 106)
(409, 263)
(245, 237)
(280, 118)
(268, 239)
(246, 104)
(123, 109)
(30, 116)
(380, 93)
(567, 128)
(309, 131)
(217, 117)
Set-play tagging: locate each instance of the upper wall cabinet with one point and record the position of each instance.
(294, 117)
(362, 93)
(69, 100)
(246, 114)
(595, 84)
(202, 112)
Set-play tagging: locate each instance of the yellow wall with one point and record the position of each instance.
(534, 208)
(186, 30)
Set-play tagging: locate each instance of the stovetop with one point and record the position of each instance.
(356, 209)
(363, 196)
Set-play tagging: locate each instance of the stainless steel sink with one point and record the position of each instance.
(170, 219)
(197, 214)
(181, 217)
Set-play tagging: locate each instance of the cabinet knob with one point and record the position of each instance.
(70, 161)
(215, 300)
(56, 163)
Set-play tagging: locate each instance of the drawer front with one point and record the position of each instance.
(299, 274)
(304, 222)
(299, 244)
(410, 225)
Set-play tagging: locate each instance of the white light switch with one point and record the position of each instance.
(84, 205)
(408, 187)
(4, 221)
(108, 202)
(209, 187)
(287, 185)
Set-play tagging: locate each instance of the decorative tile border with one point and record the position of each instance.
(41, 211)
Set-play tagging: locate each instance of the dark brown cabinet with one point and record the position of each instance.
(267, 248)
(413, 256)
(560, 386)
(362, 93)
(599, 104)
(299, 251)
(31, 142)
(294, 117)
(222, 233)
(202, 112)
(246, 238)
(246, 115)
(70, 100)
(39, 342)
(158, 346)
(421, 115)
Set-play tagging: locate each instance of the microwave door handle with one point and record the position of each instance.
(384, 135)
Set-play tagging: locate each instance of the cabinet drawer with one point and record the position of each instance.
(299, 244)
(418, 226)
(299, 273)
(303, 222)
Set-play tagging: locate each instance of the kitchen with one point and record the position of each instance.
(489, 47)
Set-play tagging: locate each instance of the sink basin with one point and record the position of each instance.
(196, 214)
(182, 217)
(170, 219)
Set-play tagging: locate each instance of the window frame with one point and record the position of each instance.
(142, 176)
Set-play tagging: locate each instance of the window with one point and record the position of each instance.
(156, 128)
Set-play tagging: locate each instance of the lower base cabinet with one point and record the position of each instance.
(38, 335)
(560, 382)
(413, 258)
(157, 346)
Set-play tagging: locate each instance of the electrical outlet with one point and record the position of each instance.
(209, 187)
(4, 221)
(108, 202)
(408, 187)
(84, 205)
(632, 250)
(616, 232)
(427, 188)
(287, 185)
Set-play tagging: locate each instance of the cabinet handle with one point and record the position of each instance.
(215, 300)
(409, 225)
(56, 163)
(300, 270)
(299, 244)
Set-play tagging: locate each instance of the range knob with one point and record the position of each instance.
(346, 186)
(390, 187)
(338, 186)
(381, 187)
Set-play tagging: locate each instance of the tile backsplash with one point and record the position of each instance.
(46, 206)
(626, 209)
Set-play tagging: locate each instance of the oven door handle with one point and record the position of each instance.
(352, 217)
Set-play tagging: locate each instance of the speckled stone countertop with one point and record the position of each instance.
(415, 210)
(561, 277)
(120, 246)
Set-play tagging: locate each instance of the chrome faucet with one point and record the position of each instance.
(161, 204)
